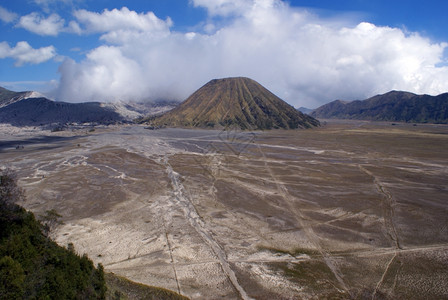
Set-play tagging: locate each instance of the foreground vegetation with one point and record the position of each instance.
(32, 266)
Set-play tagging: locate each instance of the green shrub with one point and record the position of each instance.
(32, 266)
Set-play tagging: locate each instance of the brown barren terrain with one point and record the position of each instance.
(353, 209)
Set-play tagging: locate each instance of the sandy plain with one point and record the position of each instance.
(350, 210)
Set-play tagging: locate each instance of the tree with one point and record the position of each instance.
(12, 279)
(10, 193)
(71, 247)
(50, 220)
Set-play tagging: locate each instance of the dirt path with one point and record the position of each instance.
(387, 205)
(170, 250)
(198, 224)
(311, 235)
(380, 282)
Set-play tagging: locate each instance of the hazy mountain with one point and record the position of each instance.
(305, 110)
(32, 109)
(240, 102)
(393, 106)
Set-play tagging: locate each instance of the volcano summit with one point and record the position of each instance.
(236, 102)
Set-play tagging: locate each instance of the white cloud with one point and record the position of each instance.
(36, 23)
(120, 22)
(106, 72)
(7, 16)
(23, 53)
(304, 59)
(47, 26)
(74, 27)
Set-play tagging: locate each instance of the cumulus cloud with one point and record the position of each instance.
(36, 23)
(7, 16)
(51, 25)
(105, 67)
(117, 24)
(304, 59)
(23, 53)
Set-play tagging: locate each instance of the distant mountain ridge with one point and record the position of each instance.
(305, 110)
(236, 102)
(32, 109)
(394, 106)
(8, 97)
(42, 111)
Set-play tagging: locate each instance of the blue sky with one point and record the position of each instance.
(306, 51)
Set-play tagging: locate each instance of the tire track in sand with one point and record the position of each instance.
(170, 249)
(309, 232)
(198, 224)
(387, 206)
